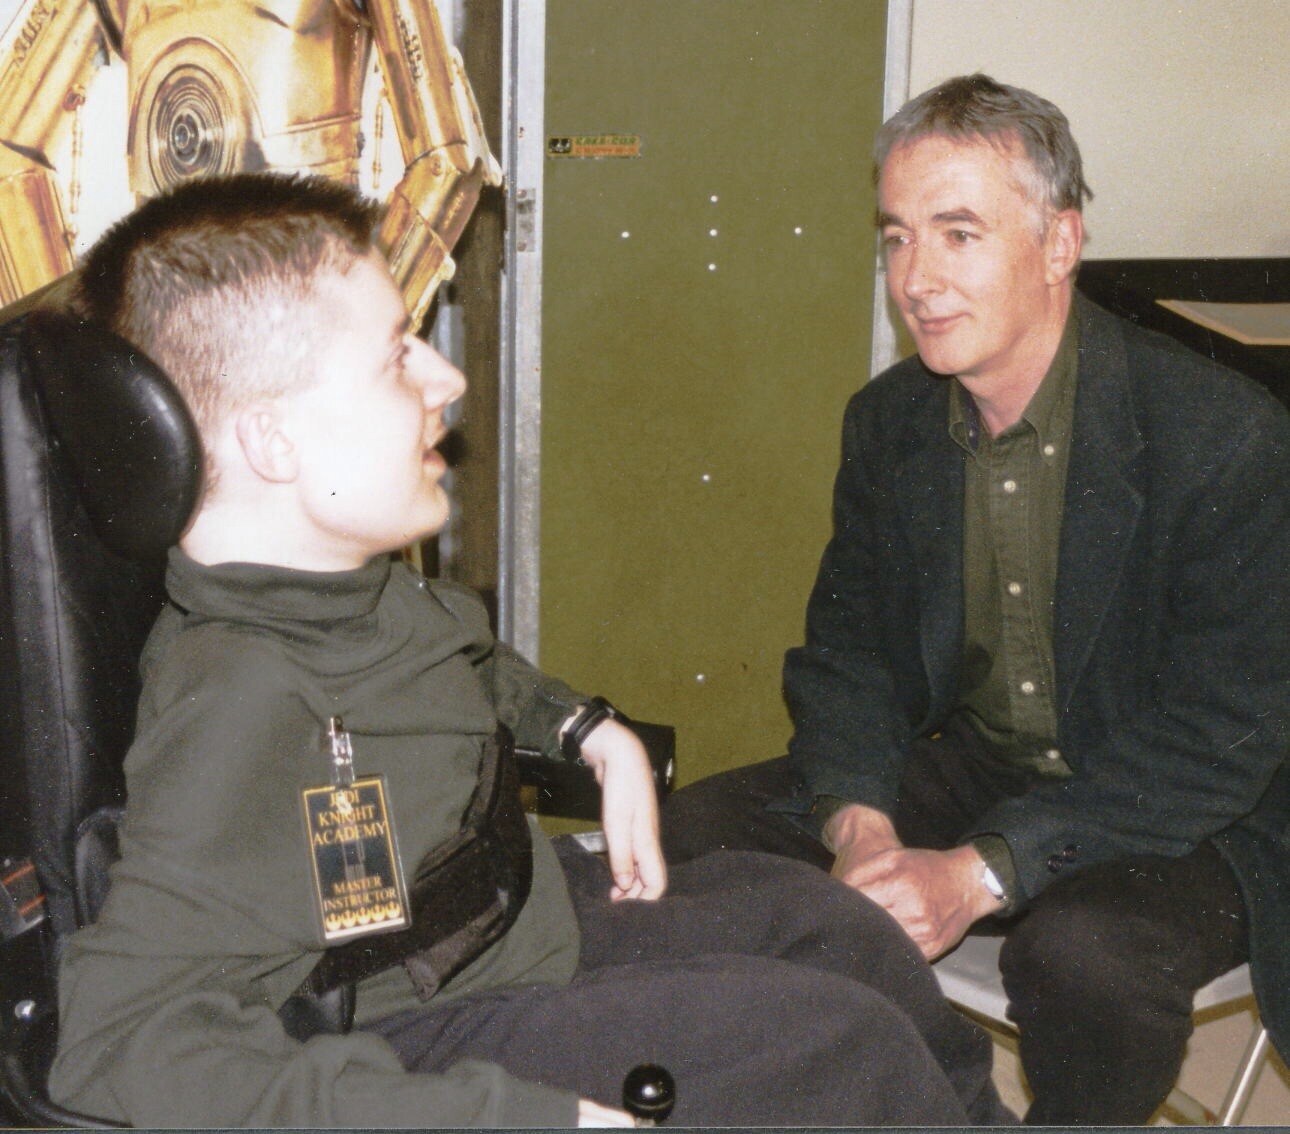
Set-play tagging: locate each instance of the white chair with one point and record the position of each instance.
(969, 977)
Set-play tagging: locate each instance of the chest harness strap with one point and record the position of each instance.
(465, 895)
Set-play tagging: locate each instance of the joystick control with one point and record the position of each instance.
(648, 1094)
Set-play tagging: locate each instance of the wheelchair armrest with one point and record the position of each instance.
(569, 789)
(18, 1087)
(29, 1034)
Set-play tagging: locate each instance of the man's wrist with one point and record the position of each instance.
(967, 869)
(855, 825)
(823, 812)
(997, 875)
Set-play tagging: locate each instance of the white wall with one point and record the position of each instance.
(1181, 109)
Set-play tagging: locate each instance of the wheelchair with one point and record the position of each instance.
(100, 469)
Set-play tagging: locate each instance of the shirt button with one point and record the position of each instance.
(1014, 589)
(1049, 450)
(1053, 754)
(1055, 863)
(1027, 687)
(1010, 486)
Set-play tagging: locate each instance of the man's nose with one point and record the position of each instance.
(441, 382)
(921, 277)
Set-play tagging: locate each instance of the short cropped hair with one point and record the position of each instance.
(210, 279)
(977, 108)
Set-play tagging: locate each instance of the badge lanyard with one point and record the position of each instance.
(358, 879)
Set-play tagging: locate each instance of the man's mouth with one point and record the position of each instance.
(430, 454)
(936, 324)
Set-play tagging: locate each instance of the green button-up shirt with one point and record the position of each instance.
(1012, 514)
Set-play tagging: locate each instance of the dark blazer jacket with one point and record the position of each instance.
(1171, 649)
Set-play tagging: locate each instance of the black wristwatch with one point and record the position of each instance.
(597, 709)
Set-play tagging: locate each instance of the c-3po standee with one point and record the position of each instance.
(217, 86)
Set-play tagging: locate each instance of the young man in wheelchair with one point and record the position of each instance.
(318, 791)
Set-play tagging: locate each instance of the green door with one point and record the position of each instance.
(706, 311)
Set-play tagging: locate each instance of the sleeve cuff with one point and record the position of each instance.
(813, 819)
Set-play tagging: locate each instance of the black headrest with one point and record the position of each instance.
(123, 428)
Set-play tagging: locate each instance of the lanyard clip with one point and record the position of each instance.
(342, 753)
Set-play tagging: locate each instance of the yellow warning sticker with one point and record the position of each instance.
(594, 146)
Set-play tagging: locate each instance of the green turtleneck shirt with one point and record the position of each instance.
(168, 1002)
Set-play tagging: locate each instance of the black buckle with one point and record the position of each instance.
(22, 902)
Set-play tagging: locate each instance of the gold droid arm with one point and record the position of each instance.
(47, 57)
(445, 152)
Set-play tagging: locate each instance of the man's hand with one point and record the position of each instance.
(593, 1114)
(629, 810)
(934, 895)
(858, 832)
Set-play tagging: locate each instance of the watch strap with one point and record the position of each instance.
(595, 711)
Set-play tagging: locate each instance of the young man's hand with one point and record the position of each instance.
(629, 810)
(593, 1114)
(934, 895)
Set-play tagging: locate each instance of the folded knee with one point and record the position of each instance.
(1092, 965)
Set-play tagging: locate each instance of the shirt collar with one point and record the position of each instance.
(1042, 413)
(256, 592)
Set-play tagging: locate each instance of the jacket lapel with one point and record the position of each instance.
(929, 487)
(1102, 504)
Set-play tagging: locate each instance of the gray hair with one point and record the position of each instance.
(977, 108)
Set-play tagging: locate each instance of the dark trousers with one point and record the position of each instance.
(773, 995)
(1100, 968)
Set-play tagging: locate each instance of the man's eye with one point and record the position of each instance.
(961, 236)
(894, 240)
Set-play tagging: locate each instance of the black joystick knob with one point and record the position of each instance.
(648, 1094)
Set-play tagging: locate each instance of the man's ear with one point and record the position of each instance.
(1063, 243)
(264, 442)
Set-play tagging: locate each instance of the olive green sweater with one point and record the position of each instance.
(168, 1003)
